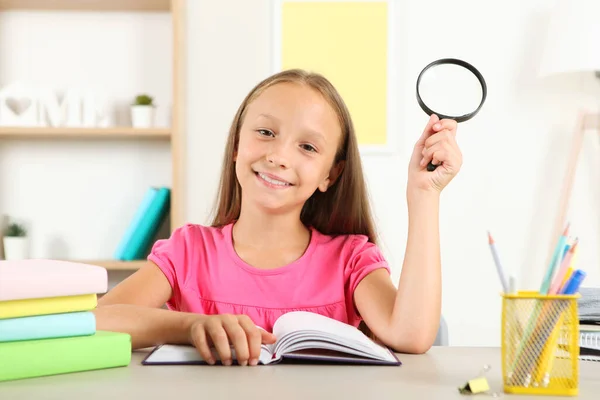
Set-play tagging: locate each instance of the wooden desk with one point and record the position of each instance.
(435, 375)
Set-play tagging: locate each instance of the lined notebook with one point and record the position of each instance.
(589, 345)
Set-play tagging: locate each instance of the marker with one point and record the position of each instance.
(572, 285)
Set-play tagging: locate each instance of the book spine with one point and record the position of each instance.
(46, 306)
(135, 223)
(33, 358)
(148, 226)
(47, 326)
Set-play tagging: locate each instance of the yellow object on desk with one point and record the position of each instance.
(47, 305)
(540, 344)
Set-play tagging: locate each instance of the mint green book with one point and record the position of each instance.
(141, 239)
(67, 324)
(135, 222)
(42, 357)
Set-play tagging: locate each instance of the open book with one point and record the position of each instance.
(301, 336)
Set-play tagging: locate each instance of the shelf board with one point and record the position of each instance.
(115, 265)
(86, 5)
(82, 133)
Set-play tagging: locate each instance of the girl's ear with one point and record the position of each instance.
(334, 174)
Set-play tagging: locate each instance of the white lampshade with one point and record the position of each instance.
(573, 40)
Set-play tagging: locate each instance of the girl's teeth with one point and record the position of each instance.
(273, 181)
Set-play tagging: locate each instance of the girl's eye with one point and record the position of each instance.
(308, 147)
(265, 132)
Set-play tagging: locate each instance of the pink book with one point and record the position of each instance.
(38, 278)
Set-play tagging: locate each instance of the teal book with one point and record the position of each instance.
(135, 222)
(47, 326)
(33, 358)
(149, 226)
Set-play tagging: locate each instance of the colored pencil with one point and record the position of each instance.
(498, 264)
(566, 263)
(556, 259)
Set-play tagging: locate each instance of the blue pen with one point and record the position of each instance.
(572, 285)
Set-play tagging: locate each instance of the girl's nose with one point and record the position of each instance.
(277, 155)
(277, 160)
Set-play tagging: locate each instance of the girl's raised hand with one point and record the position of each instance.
(436, 144)
(221, 332)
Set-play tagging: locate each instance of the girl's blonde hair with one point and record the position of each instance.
(344, 207)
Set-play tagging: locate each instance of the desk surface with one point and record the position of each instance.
(435, 375)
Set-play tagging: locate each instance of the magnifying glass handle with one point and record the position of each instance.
(431, 166)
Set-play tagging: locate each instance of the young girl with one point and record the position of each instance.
(292, 231)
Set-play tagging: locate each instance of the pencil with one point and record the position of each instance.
(556, 259)
(566, 263)
(497, 262)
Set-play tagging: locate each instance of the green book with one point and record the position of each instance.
(141, 240)
(41, 357)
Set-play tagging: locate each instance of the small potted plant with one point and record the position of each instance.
(16, 243)
(142, 111)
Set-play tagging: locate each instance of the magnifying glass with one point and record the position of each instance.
(451, 89)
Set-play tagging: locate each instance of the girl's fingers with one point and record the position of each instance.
(428, 130)
(449, 124)
(267, 337)
(443, 135)
(253, 339)
(220, 341)
(201, 343)
(238, 339)
(437, 153)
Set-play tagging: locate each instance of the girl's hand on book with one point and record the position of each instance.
(226, 330)
(436, 144)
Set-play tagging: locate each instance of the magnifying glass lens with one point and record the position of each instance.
(450, 90)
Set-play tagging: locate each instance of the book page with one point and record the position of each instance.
(294, 327)
(177, 354)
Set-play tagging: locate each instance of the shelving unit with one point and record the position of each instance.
(115, 264)
(86, 5)
(84, 133)
(173, 134)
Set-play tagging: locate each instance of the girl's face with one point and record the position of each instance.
(287, 146)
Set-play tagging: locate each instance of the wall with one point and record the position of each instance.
(78, 196)
(514, 151)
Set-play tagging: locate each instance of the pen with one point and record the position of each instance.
(497, 262)
(565, 279)
(572, 285)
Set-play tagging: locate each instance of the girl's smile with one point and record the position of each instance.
(272, 181)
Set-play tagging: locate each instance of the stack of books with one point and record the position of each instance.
(46, 323)
(589, 324)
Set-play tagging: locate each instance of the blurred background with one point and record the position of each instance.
(116, 112)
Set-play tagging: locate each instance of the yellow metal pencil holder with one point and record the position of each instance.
(540, 344)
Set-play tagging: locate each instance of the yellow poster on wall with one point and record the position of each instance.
(347, 42)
